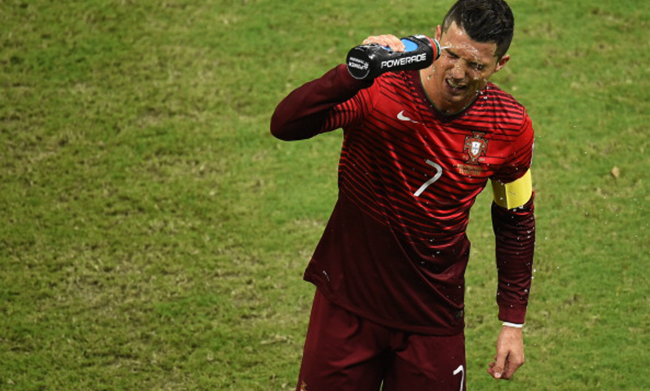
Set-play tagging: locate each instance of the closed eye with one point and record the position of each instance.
(451, 54)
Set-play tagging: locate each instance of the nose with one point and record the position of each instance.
(458, 71)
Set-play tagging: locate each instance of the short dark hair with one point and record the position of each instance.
(484, 21)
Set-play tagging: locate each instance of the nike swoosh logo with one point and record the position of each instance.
(402, 117)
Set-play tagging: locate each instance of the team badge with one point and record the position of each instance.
(475, 146)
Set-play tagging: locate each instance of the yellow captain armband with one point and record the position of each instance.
(515, 194)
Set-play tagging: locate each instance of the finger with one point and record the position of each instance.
(490, 369)
(494, 372)
(387, 40)
(393, 42)
(512, 365)
(377, 40)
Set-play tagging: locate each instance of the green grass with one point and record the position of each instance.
(154, 234)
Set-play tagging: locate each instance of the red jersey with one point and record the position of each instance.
(394, 250)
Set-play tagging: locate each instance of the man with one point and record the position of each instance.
(418, 147)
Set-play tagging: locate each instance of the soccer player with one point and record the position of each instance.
(418, 148)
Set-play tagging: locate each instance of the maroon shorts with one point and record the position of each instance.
(346, 352)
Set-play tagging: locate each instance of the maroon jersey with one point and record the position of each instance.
(394, 250)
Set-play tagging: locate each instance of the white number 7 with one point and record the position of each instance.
(432, 180)
(460, 370)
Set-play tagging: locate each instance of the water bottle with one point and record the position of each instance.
(366, 62)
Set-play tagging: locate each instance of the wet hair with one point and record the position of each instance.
(485, 21)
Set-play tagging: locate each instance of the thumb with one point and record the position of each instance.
(499, 365)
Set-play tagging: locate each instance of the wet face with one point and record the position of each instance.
(462, 70)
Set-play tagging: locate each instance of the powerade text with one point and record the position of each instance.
(404, 61)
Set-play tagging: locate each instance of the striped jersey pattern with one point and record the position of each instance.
(394, 250)
(396, 142)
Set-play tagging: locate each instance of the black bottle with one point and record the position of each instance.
(369, 61)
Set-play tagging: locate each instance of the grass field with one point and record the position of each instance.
(154, 234)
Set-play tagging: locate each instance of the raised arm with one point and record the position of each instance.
(308, 110)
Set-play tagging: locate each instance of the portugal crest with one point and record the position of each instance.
(475, 146)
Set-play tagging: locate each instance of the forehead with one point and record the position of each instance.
(462, 45)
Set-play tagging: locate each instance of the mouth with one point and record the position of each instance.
(454, 86)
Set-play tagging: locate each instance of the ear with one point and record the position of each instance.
(438, 33)
(502, 62)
